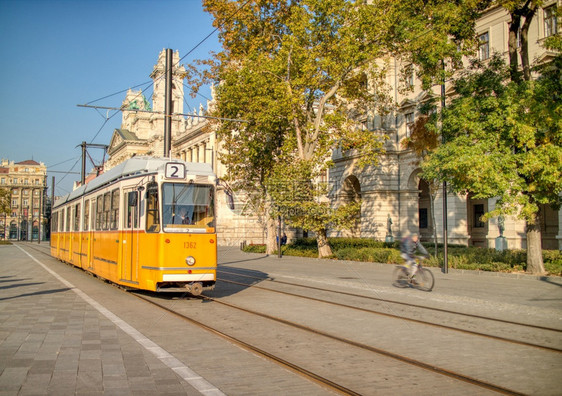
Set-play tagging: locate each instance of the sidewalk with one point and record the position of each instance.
(54, 341)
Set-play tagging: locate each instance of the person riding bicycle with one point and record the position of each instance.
(408, 247)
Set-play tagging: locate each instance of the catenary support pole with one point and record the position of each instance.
(445, 225)
(83, 174)
(168, 105)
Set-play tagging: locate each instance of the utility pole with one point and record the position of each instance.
(445, 225)
(84, 146)
(168, 105)
(83, 175)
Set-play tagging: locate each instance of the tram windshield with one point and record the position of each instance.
(188, 207)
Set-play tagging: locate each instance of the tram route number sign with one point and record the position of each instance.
(175, 170)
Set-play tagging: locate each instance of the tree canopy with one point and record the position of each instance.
(5, 196)
(504, 140)
(303, 73)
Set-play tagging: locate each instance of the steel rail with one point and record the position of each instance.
(293, 367)
(397, 302)
(284, 363)
(401, 358)
(394, 316)
(308, 374)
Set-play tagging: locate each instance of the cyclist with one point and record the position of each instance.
(408, 247)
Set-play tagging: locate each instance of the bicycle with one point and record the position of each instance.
(422, 280)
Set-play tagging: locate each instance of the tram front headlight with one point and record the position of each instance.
(190, 260)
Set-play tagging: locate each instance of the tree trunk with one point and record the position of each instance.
(271, 229)
(529, 13)
(535, 263)
(512, 46)
(324, 249)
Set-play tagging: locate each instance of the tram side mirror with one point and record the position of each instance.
(133, 199)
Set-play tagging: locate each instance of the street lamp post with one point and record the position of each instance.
(445, 226)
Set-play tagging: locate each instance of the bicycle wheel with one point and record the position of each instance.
(400, 277)
(424, 279)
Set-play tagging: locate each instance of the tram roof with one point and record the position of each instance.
(135, 166)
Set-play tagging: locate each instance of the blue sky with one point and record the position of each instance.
(58, 54)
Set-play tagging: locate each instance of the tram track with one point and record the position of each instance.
(418, 321)
(325, 382)
(310, 374)
(383, 300)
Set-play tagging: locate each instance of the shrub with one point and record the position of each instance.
(460, 257)
(377, 255)
(254, 249)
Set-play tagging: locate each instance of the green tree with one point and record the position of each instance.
(504, 140)
(5, 196)
(430, 33)
(431, 37)
(523, 95)
(303, 73)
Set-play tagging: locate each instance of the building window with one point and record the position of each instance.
(409, 74)
(478, 213)
(422, 213)
(409, 123)
(550, 23)
(484, 46)
(3, 181)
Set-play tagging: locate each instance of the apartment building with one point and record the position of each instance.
(27, 183)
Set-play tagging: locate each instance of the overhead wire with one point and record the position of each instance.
(151, 83)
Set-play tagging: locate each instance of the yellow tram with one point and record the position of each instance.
(148, 223)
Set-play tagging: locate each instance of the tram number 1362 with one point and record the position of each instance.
(189, 245)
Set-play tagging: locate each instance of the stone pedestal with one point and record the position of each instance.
(501, 243)
(389, 239)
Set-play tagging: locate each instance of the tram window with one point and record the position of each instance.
(68, 217)
(131, 201)
(61, 220)
(86, 215)
(77, 217)
(55, 222)
(99, 212)
(152, 217)
(114, 214)
(106, 210)
(187, 206)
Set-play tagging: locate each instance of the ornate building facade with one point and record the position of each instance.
(394, 199)
(27, 184)
(142, 133)
(395, 190)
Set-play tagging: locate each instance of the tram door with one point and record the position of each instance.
(129, 270)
